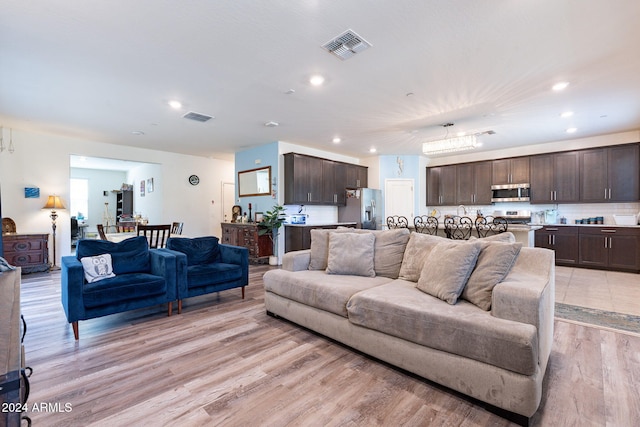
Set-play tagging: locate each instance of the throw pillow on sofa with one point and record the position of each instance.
(447, 269)
(351, 253)
(97, 267)
(417, 251)
(494, 263)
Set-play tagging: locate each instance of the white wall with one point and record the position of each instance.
(99, 181)
(42, 160)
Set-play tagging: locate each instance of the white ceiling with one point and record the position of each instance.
(101, 70)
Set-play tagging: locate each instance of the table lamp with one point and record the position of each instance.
(54, 202)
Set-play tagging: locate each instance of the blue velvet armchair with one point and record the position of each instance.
(141, 277)
(204, 266)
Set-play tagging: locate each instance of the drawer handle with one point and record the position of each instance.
(608, 231)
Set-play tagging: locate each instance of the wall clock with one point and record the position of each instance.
(194, 180)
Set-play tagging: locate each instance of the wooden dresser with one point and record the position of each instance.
(246, 235)
(29, 251)
(13, 383)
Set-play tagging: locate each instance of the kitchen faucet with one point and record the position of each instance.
(464, 209)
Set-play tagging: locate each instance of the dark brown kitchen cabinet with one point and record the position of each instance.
(562, 240)
(357, 176)
(441, 185)
(555, 178)
(611, 248)
(303, 180)
(298, 237)
(310, 180)
(610, 174)
(510, 171)
(473, 183)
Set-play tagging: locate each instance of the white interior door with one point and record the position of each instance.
(399, 198)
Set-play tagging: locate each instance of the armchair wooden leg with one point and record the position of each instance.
(76, 334)
(243, 292)
(170, 308)
(179, 306)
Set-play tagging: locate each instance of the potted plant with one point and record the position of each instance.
(271, 222)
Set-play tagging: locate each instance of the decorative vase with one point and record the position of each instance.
(273, 260)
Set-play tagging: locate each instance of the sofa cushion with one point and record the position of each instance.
(389, 248)
(494, 263)
(447, 268)
(122, 288)
(199, 250)
(212, 274)
(351, 254)
(399, 309)
(506, 237)
(97, 267)
(318, 289)
(417, 251)
(129, 256)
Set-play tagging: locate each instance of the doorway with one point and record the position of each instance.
(399, 198)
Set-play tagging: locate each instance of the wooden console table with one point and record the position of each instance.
(28, 251)
(246, 235)
(13, 384)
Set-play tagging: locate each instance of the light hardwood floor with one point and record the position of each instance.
(224, 362)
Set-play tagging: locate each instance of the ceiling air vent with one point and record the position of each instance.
(346, 45)
(197, 117)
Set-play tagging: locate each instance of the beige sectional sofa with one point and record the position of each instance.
(495, 349)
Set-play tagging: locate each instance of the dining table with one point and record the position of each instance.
(119, 237)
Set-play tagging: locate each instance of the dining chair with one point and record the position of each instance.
(126, 227)
(101, 233)
(176, 228)
(397, 221)
(489, 225)
(426, 224)
(458, 227)
(157, 235)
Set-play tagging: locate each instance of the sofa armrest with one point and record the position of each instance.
(296, 260)
(163, 263)
(181, 271)
(527, 295)
(71, 285)
(230, 254)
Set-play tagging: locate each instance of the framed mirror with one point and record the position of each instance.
(254, 182)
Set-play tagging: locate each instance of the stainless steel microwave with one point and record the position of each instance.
(510, 193)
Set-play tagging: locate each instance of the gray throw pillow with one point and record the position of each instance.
(447, 269)
(417, 251)
(351, 253)
(494, 263)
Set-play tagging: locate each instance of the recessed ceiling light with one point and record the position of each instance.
(572, 130)
(175, 104)
(290, 92)
(560, 86)
(372, 150)
(566, 114)
(137, 132)
(336, 140)
(316, 80)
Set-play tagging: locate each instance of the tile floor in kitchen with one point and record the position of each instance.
(604, 290)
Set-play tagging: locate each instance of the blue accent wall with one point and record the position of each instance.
(245, 160)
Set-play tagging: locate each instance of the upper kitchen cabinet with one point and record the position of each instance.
(510, 171)
(555, 178)
(357, 176)
(610, 174)
(303, 180)
(473, 183)
(441, 185)
(316, 181)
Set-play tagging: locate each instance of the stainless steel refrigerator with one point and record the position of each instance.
(364, 207)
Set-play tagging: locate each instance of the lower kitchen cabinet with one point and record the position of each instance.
(611, 248)
(298, 237)
(562, 240)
